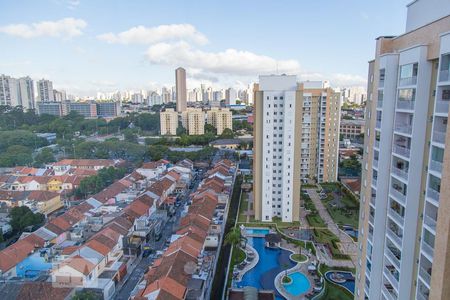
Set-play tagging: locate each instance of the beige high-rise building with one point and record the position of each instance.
(181, 92)
(220, 118)
(169, 122)
(320, 116)
(404, 231)
(193, 119)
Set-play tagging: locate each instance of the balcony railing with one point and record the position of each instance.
(376, 144)
(372, 200)
(379, 103)
(403, 128)
(421, 296)
(400, 173)
(391, 278)
(444, 75)
(442, 106)
(378, 124)
(436, 166)
(430, 222)
(400, 150)
(381, 83)
(398, 195)
(424, 274)
(427, 249)
(390, 294)
(396, 216)
(375, 163)
(409, 105)
(394, 236)
(439, 136)
(371, 219)
(374, 181)
(433, 194)
(408, 81)
(393, 258)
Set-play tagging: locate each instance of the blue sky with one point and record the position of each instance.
(78, 45)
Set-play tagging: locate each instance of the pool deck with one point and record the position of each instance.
(300, 267)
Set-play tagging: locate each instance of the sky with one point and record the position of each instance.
(105, 45)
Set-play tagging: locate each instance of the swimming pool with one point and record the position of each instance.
(258, 231)
(32, 266)
(300, 284)
(271, 263)
(349, 283)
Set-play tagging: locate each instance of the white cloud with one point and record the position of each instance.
(230, 61)
(72, 4)
(64, 28)
(151, 35)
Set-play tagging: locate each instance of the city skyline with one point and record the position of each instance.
(144, 53)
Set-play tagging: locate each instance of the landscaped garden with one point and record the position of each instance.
(333, 291)
(300, 258)
(342, 206)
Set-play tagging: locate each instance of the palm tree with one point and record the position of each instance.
(233, 237)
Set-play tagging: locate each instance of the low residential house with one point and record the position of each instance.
(162, 188)
(153, 169)
(17, 252)
(119, 191)
(29, 183)
(44, 202)
(63, 166)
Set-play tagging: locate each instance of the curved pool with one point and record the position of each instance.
(349, 283)
(271, 263)
(300, 284)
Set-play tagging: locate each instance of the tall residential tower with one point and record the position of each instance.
(180, 79)
(405, 210)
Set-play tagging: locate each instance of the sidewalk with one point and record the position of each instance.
(348, 246)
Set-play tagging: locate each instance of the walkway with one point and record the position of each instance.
(348, 246)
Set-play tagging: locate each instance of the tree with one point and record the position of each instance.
(210, 129)
(44, 157)
(86, 295)
(233, 237)
(22, 217)
(227, 133)
(181, 130)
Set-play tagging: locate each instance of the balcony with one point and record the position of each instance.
(381, 83)
(394, 259)
(398, 195)
(444, 75)
(408, 105)
(421, 296)
(379, 103)
(442, 107)
(439, 136)
(371, 219)
(375, 163)
(433, 194)
(400, 173)
(391, 278)
(408, 81)
(430, 222)
(396, 217)
(378, 124)
(404, 128)
(376, 144)
(400, 150)
(372, 200)
(394, 237)
(427, 249)
(374, 181)
(425, 275)
(389, 292)
(436, 166)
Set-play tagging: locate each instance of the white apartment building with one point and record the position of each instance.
(169, 122)
(220, 118)
(8, 91)
(26, 92)
(45, 90)
(277, 148)
(405, 213)
(193, 119)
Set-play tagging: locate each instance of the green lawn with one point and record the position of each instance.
(315, 220)
(237, 257)
(299, 257)
(346, 215)
(243, 208)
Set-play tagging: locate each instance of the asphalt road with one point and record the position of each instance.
(170, 227)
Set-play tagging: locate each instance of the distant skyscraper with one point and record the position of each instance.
(45, 91)
(8, 91)
(230, 96)
(404, 244)
(180, 78)
(277, 139)
(26, 92)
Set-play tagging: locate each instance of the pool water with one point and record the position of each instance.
(271, 263)
(262, 231)
(32, 266)
(300, 284)
(349, 284)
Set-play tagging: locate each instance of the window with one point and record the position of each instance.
(409, 70)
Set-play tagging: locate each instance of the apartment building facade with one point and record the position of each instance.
(220, 118)
(320, 113)
(193, 119)
(276, 135)
(405, 213)
(169, 122)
